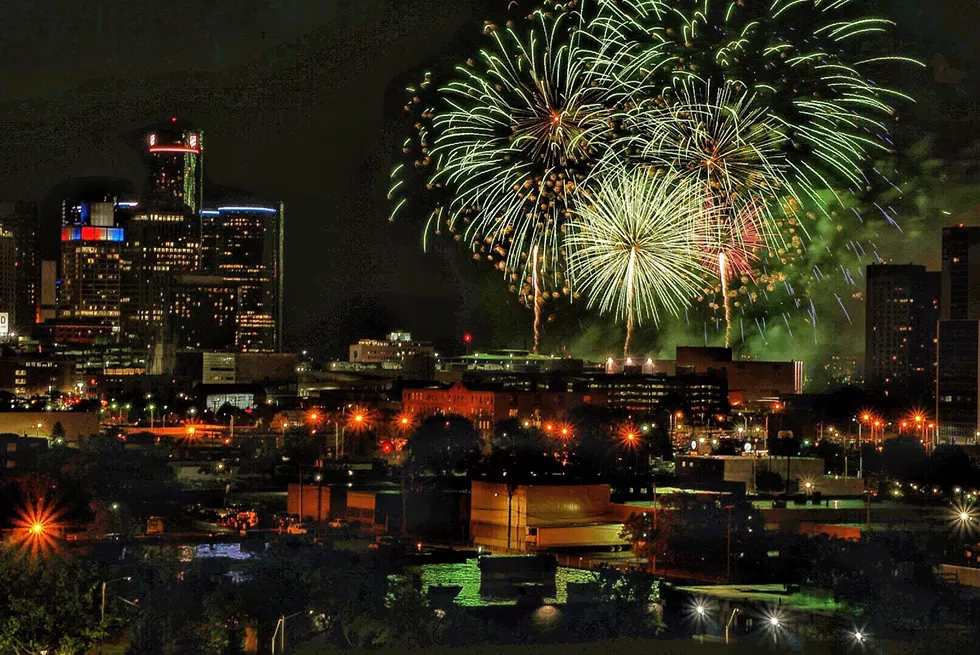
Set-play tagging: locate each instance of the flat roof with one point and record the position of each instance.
(769, 594)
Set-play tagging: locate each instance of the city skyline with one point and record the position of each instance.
(382, 297)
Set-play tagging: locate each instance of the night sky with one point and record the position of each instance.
(300, 101)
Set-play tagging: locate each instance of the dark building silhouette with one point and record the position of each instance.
(900, 331)
(20, 220)
(958, 358)
(243, 244)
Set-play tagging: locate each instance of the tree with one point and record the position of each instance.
(58, 432)
(444, 444)
(692, 534)
(514, 436)
(950, 466)
(904, 458)
(47, 604)
(768, 481)
(625, 608)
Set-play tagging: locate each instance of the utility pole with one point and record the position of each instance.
(510, 502)
(728, 550)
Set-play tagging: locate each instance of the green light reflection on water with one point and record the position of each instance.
(467, 575)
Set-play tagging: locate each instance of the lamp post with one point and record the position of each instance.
(728, 624)
(281, 632)
(105, 583)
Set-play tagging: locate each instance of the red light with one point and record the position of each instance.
(386, 448)
(173, 149)
(467, 338)
(173, 119)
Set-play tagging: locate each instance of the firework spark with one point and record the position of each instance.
(519, 134)
(634, 249)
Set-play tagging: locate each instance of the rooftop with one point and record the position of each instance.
(768, 594)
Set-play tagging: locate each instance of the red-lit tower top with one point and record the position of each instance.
(174, 151)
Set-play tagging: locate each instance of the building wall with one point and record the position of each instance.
(36, 375)
(384, 352)
(20, 219)
(478, 406)
(960, 293)
(741, 471)
(8, 280)
(900, 331)
(91, 274)
(311, 507)
(958, 379)
(531, 506)
(76, 424)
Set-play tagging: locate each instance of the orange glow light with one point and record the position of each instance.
(36, 527)
(360, 418)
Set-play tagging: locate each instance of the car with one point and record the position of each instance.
(338, 523)
(296, 528)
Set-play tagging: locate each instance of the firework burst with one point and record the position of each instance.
(634, 249)
(808, 63)
(522, 128)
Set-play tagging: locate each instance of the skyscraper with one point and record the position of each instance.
(243, 244)
(20, 219)
(174, 154)
(961, 273)
(958, 359)
(91, 273)
(163, 237)
(900, 331)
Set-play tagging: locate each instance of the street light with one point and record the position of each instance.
(728, 624)
(106, 583)
(281, 631)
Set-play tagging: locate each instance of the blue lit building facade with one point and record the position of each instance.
(91, 264)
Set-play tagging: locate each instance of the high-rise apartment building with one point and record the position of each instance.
(902, 304)
(20, 219)
(243, 243)
(91, 274)
(958, 360)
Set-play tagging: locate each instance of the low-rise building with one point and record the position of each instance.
(487, 406)
(391, 351)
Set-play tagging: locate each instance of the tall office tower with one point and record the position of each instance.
(8, 284)
(91, 273)
(163, 236)
(961, 274)
(21, 220)
(900, 331)
(958, 359)
(174, 154)
(159, 247)
(243, 243)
